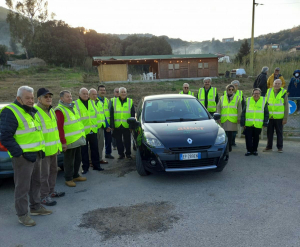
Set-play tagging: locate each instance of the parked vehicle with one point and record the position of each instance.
(175, 133)
(6, 169)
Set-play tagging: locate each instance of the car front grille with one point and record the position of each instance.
(190, 163)
(183, 149)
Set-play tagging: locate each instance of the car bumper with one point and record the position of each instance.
(165, 160)
(6, 169)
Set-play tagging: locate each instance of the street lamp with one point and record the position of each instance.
(252, 37)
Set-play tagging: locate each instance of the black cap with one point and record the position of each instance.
(43, 91)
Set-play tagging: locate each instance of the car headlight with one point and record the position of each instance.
(152, 141)
(221, 137)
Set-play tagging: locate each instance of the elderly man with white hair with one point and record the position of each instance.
(185, 89)
(261, 81)
(87, 110)
(208, 96)
(21, 135)
(121, 109)
(278, 106)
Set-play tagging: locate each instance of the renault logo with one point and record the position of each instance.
(189, 140)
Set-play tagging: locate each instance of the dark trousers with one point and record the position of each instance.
(233, 137)
(27, 177)
(252, 138)
(107, 136)
(120, 135)
(72, 161)
(229, 137)
(93, 141)
(277, 124)
(114, 142)
(48, 175)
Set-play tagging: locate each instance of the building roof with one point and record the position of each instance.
(151, 57)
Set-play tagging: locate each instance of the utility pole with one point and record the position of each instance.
(252, 40)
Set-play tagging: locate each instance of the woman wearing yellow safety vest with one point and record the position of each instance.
(185, 89)
(46, 117)
(230, 109)
(255, 115)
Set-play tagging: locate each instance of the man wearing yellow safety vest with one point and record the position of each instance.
(22, 136)
(255, 115)
(208, 96)
(185, 89)
(121, 109)
(107, 132)
(88, 116)
(47, 119)
(72, 137)
(230, 108)
(278, 113)
(101, 121)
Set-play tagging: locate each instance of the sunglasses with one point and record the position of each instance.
(48, 96)
(186, 87)
(230, 89)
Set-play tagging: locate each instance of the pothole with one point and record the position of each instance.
(122, 167)
(131, 220)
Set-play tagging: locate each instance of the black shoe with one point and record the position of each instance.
(109, 156)
(121, 157)
(233, 144)
(99, 169)
(248, 154)
(84, 172)
(255, 153)
(129, 157)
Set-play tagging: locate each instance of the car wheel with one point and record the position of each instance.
(139, 165)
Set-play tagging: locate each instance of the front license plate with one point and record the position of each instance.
(190, 156)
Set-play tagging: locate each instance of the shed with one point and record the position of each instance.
(115, 68)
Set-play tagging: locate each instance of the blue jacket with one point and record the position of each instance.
(294, 86)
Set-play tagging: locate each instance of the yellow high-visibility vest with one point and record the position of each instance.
(50, 131)
(211, 98)
(189, 93)
(122, 112)
(229, 111)
(276, 104)
(255, 112)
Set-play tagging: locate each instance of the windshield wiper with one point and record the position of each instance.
(182, 119)
(155, 121)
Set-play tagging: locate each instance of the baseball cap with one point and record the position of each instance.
(277, 69)
(43, 91)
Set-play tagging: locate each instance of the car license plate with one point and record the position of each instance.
(190, 156)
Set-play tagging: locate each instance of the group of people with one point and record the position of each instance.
(34, 134)
(267, 107)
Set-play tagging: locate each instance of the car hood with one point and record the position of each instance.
(176, 134)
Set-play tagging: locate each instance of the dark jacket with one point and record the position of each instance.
(261, 83)
(266, 116)
(8, 127)
(294, 86)
(112, 120)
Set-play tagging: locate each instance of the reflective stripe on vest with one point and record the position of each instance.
(105, 105)
(189, 93)
(229, 110)
(29, 134)
(276, 104)
(120, 114)
(73, 127)
(211, 98)
(50, 131)
(255, 112)
(100, 115)
(88, 116)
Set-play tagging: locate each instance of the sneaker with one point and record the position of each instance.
(280, 150)
(255, 153)
(70, 183)
(248, 154)
(40, 211)
(79, 179)
(267, 149)
(57, 194)
(109, 156)
(103, 162)
(48, 201)
(121, 157)
(26, 220)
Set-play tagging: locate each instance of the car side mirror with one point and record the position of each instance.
(217, 116)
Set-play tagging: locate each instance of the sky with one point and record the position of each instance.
(190, 20)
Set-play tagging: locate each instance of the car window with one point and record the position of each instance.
(164, 110)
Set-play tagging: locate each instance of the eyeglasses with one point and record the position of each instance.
(186, 87)
(48, 96)
(230, 89)
(256, 93)
(116, 91)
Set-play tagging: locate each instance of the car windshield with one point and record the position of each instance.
(173, 110)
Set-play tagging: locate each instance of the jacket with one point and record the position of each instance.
(271, 80)
(8, 127)
(261, 83)
(294, 86)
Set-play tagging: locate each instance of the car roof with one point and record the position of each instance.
(3, 105)
(169, 96)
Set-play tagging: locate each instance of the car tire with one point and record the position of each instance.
(139, 164)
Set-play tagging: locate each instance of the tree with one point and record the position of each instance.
(13, 46)
(23, 19)
(243, 52)
(3, 56)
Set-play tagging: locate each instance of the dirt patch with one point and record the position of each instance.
(122, 167)
(132, 220)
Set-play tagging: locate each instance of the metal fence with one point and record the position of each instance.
(293, 123)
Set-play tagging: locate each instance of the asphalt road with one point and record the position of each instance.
(255, 201)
